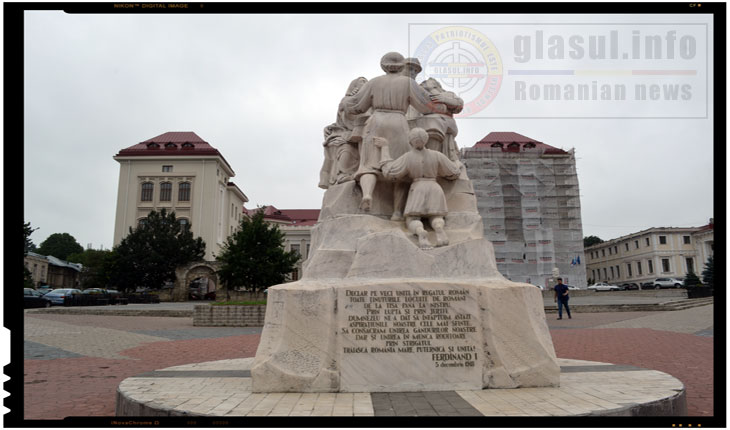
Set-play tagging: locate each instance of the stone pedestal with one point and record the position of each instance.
(376, 313)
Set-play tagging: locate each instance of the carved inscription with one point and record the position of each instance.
(434, 324)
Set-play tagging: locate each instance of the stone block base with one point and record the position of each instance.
(386, 335)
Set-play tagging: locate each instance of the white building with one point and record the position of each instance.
(180, 172)
(656, 252)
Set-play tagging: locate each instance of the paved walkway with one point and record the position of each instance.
(74, 363)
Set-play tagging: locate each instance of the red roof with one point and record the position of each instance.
(173, 143)
(292, 216)
(510, 141)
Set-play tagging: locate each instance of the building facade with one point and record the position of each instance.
(528, 197)
(657, 252)
(52, 271)
(180, 172)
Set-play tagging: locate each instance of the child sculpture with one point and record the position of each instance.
(426, 198)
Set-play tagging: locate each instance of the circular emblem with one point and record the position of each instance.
(465, 62)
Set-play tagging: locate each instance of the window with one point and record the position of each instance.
(167, 168)
(183, 222)
(611, 272)
(636, 243)
(153, 145)
(686, 240)
(627, 246)
(593, 272)
(638, 267)
(650, 266)
(605, 275)
(618, 272)
(183, 194)
(307, 250)
(295, 275)
(295, 248)
(142, 222)
(648, 243)
(665, 265)
(147, 188)
(610, 251)
(603, 252)
(690, 265)
(662, 240)
(615, 249)
(628, 269)
(170, 145)
(165, 192)
(188, 145)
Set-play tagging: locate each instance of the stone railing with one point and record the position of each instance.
(229, 316)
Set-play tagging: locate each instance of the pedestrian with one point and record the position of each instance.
(561, 297)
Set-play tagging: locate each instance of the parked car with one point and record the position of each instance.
(43, 289)
(59, 295)
(647, 285)
(668, 283)
(629, 286)
(602, 286)
(34, 299)
(570, 287)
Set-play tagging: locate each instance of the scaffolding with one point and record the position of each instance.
(530, 204)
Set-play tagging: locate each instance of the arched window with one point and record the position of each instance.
(153, 145)
(496, 145)
(147, 188)
(188, 145)
(170, 145)
(165, 192)
(528, 145)
(183, 194)
(141, 222)
(514, 146)
(183, 222)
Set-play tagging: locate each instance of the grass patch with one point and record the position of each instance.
(240, 303)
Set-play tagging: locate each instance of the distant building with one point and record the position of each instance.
(652, 253)
(527, 194)
(296, 224)
(180, 172)
(52, 271)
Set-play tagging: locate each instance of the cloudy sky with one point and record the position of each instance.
(260, 89)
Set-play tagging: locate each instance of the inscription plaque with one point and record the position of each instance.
(418, 337)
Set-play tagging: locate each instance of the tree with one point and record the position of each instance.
(254, 257)
(149, 254)
(591, 240)
(708, 273)
(27, 276)
(60, 245)
(27, 231)
(691, 280)
(96, 267)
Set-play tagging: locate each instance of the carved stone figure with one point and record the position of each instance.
(440, 125)
(426, 198)
(388, 96)
(340, 145)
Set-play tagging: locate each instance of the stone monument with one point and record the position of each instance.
(401, 290)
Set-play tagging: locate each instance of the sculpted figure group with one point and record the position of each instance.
(378, 121)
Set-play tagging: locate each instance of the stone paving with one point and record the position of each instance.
(74, 363)
(223, 388)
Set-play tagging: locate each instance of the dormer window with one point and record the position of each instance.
(528, 145)
(153, 145)
(496, 145)
(170, 145)
(188, 145)
(514, 146)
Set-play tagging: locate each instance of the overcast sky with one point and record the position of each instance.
(261, 89)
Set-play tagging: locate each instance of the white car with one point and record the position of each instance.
(668, 283)
(602, 286)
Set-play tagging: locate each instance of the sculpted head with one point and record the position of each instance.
(355, 86)
(412, 67)
(392, 62)
(431, 85)
(418, 138)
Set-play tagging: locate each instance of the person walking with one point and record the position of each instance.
(561, 297)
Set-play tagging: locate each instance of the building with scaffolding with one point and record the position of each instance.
(527, 194)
